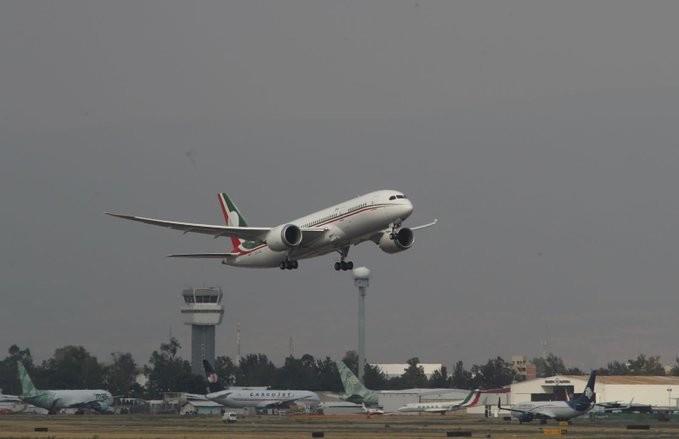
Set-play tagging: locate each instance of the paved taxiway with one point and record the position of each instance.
(335, 427)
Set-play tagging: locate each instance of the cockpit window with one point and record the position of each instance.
(393, 197)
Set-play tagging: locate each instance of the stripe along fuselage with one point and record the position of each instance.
(348, 223)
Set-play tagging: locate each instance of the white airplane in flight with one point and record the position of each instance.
(376, 217)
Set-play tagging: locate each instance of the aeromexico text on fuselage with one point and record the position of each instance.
(376, 217)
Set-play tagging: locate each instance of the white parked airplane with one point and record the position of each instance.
(259, 398)
(557, 410)
(443, 406)
(376, 217)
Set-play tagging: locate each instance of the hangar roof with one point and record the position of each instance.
(629, 379)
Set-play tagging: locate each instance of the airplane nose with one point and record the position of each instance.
(408, 208)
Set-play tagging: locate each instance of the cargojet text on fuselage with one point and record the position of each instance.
(376, 217)
(556, 410)
(260, 398)
(55, 400)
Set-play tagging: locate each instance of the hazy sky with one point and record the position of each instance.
(543, 135)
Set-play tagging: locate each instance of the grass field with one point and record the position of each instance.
(334, 427)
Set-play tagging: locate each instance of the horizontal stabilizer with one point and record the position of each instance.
(202, 255)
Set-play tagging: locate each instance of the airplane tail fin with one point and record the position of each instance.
(27, 387)
(214, 384)
(589, 388)
(351, 384)
(232, 217)
(468, 401)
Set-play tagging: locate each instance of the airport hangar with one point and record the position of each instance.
(654, 390)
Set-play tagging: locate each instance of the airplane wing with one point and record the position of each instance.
(275, 404)
(439, 410)
(202, 255)
(247, 233)
(257, 234)
(424, 226)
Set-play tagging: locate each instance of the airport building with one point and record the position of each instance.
(653, 390)
(523, 368)
(202, 310)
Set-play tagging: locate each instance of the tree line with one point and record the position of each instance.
(73, 367)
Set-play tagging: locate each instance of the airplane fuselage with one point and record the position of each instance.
(348, 223)
(262, 398)
(559, 410)
(52, 400)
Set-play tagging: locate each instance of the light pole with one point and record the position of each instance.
(669, 397)
(361, 280)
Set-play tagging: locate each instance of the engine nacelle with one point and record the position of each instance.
(283, 237)
(402, 240)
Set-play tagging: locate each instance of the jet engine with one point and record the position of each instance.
(283, 237)
(398, 241)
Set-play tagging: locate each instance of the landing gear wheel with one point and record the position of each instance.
(289, 265)
(342, 264)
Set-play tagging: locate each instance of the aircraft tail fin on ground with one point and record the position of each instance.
(585, 400)
(468, 401)
(214, 385)
(589, 388)
(27, 387)
(352, 386)
(232, 217)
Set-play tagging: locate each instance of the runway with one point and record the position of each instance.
(293, 427)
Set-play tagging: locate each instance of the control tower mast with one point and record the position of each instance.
(203, 310)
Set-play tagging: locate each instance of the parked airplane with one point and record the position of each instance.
(55, 400)
(356, 392)
(443, 406)
(259, 398)
(557, 410)
(376, 217)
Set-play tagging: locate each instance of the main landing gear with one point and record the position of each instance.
(289, 265)
(342, 264)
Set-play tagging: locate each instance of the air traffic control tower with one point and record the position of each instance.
(203, 310)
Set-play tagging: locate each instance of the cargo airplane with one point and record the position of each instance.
(260, 398)
(376, 217)
(557, 410)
